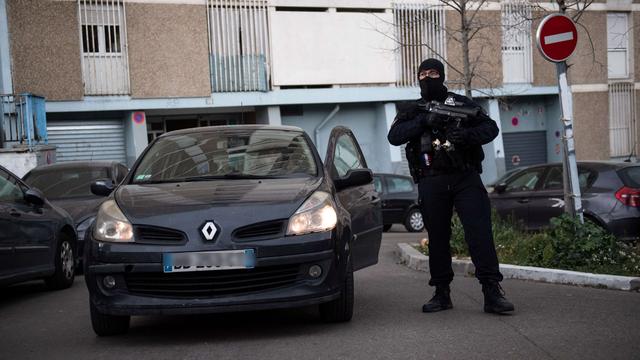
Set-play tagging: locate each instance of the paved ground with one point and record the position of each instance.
(551, 322)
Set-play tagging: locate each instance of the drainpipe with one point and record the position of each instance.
(316, 131)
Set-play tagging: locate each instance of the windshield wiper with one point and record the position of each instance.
(233, 176)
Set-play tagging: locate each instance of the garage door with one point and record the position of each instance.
(525, 148)
(83, 140)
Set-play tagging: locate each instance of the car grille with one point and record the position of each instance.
(260, 230)
(212, 283)
(158, 235)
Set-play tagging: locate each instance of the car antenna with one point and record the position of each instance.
(633, 150)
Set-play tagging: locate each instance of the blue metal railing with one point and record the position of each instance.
(23, 120)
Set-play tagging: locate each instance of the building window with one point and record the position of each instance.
(105, 68)
(419, 34)
(622, 119)
(618, 45)
(516, 42)
(239, 45)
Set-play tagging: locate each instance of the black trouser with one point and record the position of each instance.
(438, 196)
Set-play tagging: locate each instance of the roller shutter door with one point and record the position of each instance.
(525, 148)
(88, 140)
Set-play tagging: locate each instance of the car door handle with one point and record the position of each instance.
(14, 213)
(523, 201)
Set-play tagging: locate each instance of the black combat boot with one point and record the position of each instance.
(441, 300)
(494, 300)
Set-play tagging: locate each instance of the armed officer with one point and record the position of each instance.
(444, 133)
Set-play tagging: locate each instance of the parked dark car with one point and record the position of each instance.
(68, 185)
(37, 240)
(610, 195)
(399, 201)
(233, 218)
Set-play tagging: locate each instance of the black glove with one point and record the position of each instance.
(431, 120)
(408, 110)
(457, 135)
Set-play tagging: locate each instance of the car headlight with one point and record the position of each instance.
(81, 229)
(317, 214)
(112, 225)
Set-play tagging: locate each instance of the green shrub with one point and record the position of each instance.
(566, 244)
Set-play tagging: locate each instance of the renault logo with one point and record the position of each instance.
(209, 230)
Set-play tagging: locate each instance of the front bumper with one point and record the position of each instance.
(277, 281)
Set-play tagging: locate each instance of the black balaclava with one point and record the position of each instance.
(432, 89)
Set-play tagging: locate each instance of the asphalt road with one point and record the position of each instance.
(550, 322)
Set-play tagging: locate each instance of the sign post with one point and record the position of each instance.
(557, 38)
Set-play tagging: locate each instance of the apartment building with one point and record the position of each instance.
(118, 73)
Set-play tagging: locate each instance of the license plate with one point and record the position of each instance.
(208, 260)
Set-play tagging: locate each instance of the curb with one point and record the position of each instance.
(414, 259)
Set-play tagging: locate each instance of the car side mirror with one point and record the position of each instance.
(34, 196)
(102, 187)
(500, 188)
(354, 177)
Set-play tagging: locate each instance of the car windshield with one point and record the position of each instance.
(65, 183)
(227, 154)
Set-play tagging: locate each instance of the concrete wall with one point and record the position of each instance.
(544, 71)
(591, 125)
(587, 65)
(168, 50)
(485, 51)
(21, 161)
(362, 119)
(45, 48)
(317, 48)
(636, 45)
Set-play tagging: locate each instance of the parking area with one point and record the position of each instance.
(550, 322)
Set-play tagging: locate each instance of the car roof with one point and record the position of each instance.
(205, 129)
(76, 164)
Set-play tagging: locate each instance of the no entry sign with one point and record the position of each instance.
(557, 37)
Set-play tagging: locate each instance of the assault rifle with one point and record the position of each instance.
(458, 113)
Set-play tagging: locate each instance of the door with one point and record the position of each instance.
(400, 196)
(514, 200)
(362, 202)
(32, 227)
(88, 140)
(9, 195)
(548, 201)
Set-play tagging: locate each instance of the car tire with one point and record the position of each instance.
(386, 227)
(340, 309)
(108, 325)
(64, 263)
(413, 222)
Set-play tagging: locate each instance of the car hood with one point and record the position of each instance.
(229, 203)
(79, 208)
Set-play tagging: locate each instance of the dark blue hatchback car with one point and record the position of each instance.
(233, 218)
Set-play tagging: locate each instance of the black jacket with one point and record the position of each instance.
(408, 128)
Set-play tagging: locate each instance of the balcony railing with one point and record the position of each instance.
(23, 120)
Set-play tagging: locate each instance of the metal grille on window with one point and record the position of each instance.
(622, 119)
(516, 42)
(105, 67)
(420, 34)
(239, 45)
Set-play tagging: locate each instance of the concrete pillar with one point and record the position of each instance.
(493, 165)
(269, 115)
(6, 84)
(387, 113)
(135, 132)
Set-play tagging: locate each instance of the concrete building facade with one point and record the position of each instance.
(118, 73)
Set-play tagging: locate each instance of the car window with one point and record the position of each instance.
(631, 176)
(399, 185)
(554, 179)
(377, 182)
(233, 152)
(122, 172)
(10, 190)
(347, 156)
(65, 183)
(524, 182)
